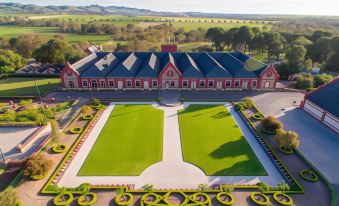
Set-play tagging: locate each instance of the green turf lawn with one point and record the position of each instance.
(26, 86)
(130, 141)
(212, 141)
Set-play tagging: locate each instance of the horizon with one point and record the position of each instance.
(255, 7)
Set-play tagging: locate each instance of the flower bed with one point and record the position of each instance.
(87, 116)
(58, 201)
(119, 200)
(225, 198)
(76, 130)
(268, 131)
(284, 199)
(309, 175)
(258, 116)
(59, 148)
(92, 199)
(286, 150)
(38, 177)
(260, 199)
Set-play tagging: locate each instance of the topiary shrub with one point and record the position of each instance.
(271, 124)
(76, 130)
(284, 199)
(124, 199)
(260, 198)
(258, 116)
(309, 175)
(87, 116)
(61, 148)
(225, 198)
(36, 167)
(87, 199)
(64, 199)
(38, 177)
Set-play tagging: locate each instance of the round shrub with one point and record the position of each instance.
(87, 116)
(59, 148)
(76, 130)
(58, 201)
(128, 199)
(92, 199)
(258, 116)
(38, 177)
(270, 123)
(262, 200)
(225, 198)
(288, 199)
(19, 203)
(309, 175)
(239, 106)
(286, 150)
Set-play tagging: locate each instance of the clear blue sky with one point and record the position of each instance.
(307, 7)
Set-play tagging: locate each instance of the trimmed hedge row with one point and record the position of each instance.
(75, 130)
(285, 196)
(38, 177)
(82, 199)
(258, 116)
(229, 196)
(87, 117)
(286, 150)
(57, 202)
(127, 200)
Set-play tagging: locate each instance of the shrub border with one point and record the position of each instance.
(286, 150)
(82, 197)
(117, 199)
(310, 172)
(87, 116)
(38, 177)
(55, 148)
(230, 202)
(267, 199)
(258, 116)
(67, 202)
(74, 130)
(289, 202)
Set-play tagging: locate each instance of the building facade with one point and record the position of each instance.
(168, 70)
(323, 104)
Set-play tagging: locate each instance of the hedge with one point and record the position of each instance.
(63, 203)
(195, 195)
(59, 148)
(38, 177)
(87, 116)
(129, 201)
(286, 150)
(289, 199)
(306, 173)
(268, 131)
(258, 116)
(230, 197)
(265, 202)
(82, 198)
(76, 130)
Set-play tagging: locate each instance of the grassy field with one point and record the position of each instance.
(130, 141)
(26, 86)
(212, 141)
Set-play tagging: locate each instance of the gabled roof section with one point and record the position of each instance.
(150, 67)
(102, 67)
(211, 68)
(188, 67)
(85, 63)
(250, 63)
(326, 97)
(168, 58)
(129, 67)
(235, 66)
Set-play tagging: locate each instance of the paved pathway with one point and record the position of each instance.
(172, 172)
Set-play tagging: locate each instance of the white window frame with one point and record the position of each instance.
(84, 83)
(94, 81)
(228, 83)
(209, 81)
(185, 82)
(172, 84)
(103, 84)
(156, 83)
(202, 81)
(137, 82)
(111, 83)
(128, 83)
(254, 83)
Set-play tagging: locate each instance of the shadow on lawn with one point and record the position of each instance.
(199, 108)
(230, 149)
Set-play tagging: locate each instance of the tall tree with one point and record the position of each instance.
(216, 36)
(296, 57)
(10, 61)
(25, 44)
(52, 52)
(244, 36)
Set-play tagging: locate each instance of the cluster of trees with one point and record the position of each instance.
(37, 165)
(308, 81)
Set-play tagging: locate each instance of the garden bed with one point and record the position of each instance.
(282, 199)
(87, 117)
(76, 130)
(58, 200)
(124, 199)
(87, 199)
(260, 198)
(59, 148)
(309, 175)
(225, 198)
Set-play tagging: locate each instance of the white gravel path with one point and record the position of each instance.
(172, 172)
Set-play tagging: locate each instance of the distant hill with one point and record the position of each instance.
(112, 10)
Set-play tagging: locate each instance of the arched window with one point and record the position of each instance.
(170, 73)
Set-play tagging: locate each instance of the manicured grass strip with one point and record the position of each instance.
(212, 141)
(130, 141)
(26, 86)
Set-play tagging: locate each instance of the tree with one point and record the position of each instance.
(227, 188)
(52, 52)
(202, 188)
(296, 57)
(321, 50)
(271, 123)
(216, 36)
(304, 81)
(244, 36)
(321, 79)
(55, 134)
(120, 191)
(84, 189)
(10, 61)
(284, 70)
(287, 139)
(263, 187)
(318, 34)
(25, 44)
(36, 165)
(274, 44)
(86, 109)
(283, 187)
(9, 197)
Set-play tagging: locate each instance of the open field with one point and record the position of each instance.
(212, 140)
(26, 86)
(130, 141)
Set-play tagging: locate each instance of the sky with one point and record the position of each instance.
(301, 7)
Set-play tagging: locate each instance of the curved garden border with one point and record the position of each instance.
(258, 202)
(309, 175)
(129, 201)
(288, 202)
(230, 197)
(59, 148)
(286, 150)
(38, 177)
(258, 116)
(87, 116)
(82, 198)
(195, 195)
(75, 130)
(62, 203)
(268, 131)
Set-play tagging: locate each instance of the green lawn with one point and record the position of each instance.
(130, 141)
(26, 86)
(212, 140)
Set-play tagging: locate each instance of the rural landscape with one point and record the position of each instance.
(110, 104)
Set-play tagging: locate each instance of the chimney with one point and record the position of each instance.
(169, 48)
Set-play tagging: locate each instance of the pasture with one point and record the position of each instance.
(130, 141)
(212, 141)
